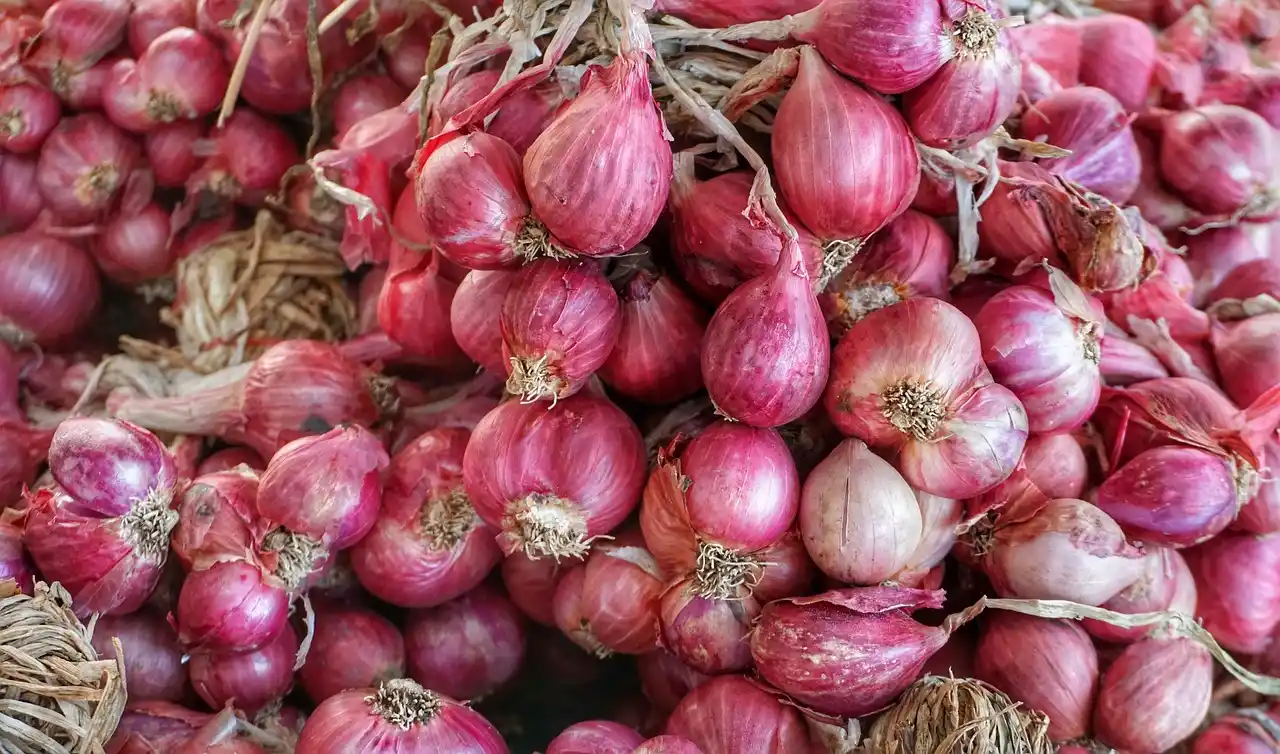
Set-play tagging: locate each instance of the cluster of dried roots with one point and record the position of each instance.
(961, 716)
(56, 696)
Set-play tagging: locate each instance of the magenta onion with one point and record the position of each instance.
(49, 289)
(551, 478)
(413, 310)
(151, 18)
(734, 715)
(1044, 346)
(217, 519)
(531, 583)
(1247, 357)
(352, 648)
(85, 166)
(252, 680)
(595, 737)
(1166, 583)
(471, 317)
(427, 546)
(1118, 56)
(708, 634)
(1093, 125)
(14, 563)
(910, 379)
(466, 648)
(1154, 695)
(667, 745)
(151, 654)
(19, 205)
(362, 96)
(134, 248)
(560, 321)
(171, 151)
(1237, 589)
(109, 467)
(233, 605)
(610, 603)
(1218, 158)
(28, 113)
(666, 680)
(181, 76)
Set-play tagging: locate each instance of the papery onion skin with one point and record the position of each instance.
(352, 648)
(1068, 550)
(736, 716)
(328, 487)
(151, 18)
(28, 113)
(477, 332)
(217, 519)
(230, 607)
(844, 158)
(1118, 56)
(1172, 495)
(904, 50)
(616, 596)
(566, 472)
(1248, 357)
(595, 737)
(49, 289)
(152, 656)
(1046, 351)
(599, 175)
(252, 679)
(1161, 587)
(466, 648)
(918, 363)
(709, 635)
(1051, 666)
(109, 466)
(667, 745)
(560, 321)
(399, 714)
(846, 652)
(911, 257)
(658, 353)
(1014, 227)
(1094, 126)
(84, 166)
(859, 518)
(427, 546)
(1238, 591)
(1154, 695)
(1217, 157)
(14, 562)
(1245, 731)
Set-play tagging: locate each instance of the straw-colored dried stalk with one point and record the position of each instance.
(959, 716)
(56, 696)
(249, 290)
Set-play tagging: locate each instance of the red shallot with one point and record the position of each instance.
(666, 680)
(19, 205)
(1166, 583)
(1247, 356)
(734, 715)
(413, 310)
(471, 317)
(14, 563)
(171, 151)
(217, 519)
(466, 648)
(86, 165)
(709, 634)
(550, 478)
(28, 113)
(428, 545)
(251, 680)
(1238, 590)
(910, 379)
(1154, 695)
(49, 289)
(531, 583)
(560, 321)
(1219, 159)
(151, 18)
(1093, 125)
(134, 248)
(595, 737)
(610, 604)
(352, 648)
(151, 654)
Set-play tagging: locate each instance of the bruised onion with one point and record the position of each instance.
(151, 654)
(49, 289)
(428, 545)
(1154, 695)
(658, 353)
(466, 648)
(398, 713)
(846, 652)
(1093, 125)
(560, 321)
(413, 310)
(1044, 346)
(909, 378)
(352, 648)
(1238, 592)
(609, 604)
(252, 679)
(552, 477)
(20, 204)
(134, 248)
(1117, 55)
(1050, 666)
(217, 519)
(859, 519)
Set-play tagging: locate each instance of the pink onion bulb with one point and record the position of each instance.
(531, 584)
(869, 648)
(709, 635)
(910, 379)
(1094, 126)
(477, 332)
(28, 113)
(352, 648)
(1261, 515)
(1117, 55)
(428, 545)
(844, 158)
(233, 605)
(1218, 158)
(859, 518)
(1050, 666)
(151, 654)
(180, 76)
(610, 604)
(49, 289)
(733, 714)
(217, 519)
(468, 647)
(84, 168)
(1166, 583)
(109, 467)
(1247, 357)
(399, 714)
(560, 321)
(771, 330)
(1154, 695)
(20, 205)
(1068, 550)
(665, 680)
(730, 493)
(1238, 589)
(552, 477)
(1053, 466)
(1044, 346)
(911, 257)
(1174, 495)
(595, 737)
(253, 679)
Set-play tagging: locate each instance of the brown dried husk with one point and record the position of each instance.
(958, 716)
(56, 696)
(247, 291)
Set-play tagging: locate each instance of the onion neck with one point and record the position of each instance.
(147, 525)
(1091, 343)
(446, 521)
(404, 703)
(975, 34)
(546, 525)
(534, 241)
(533, 379)
(723, 574)
(297, 556)
(858, 302)
(583, 637)
(836, 255)
(915, 407)
(215, 412)
(12, 122)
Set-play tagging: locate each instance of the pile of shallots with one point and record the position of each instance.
(724, 369)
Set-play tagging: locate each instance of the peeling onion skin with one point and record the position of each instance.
(1154, 695)
(1051, 666)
